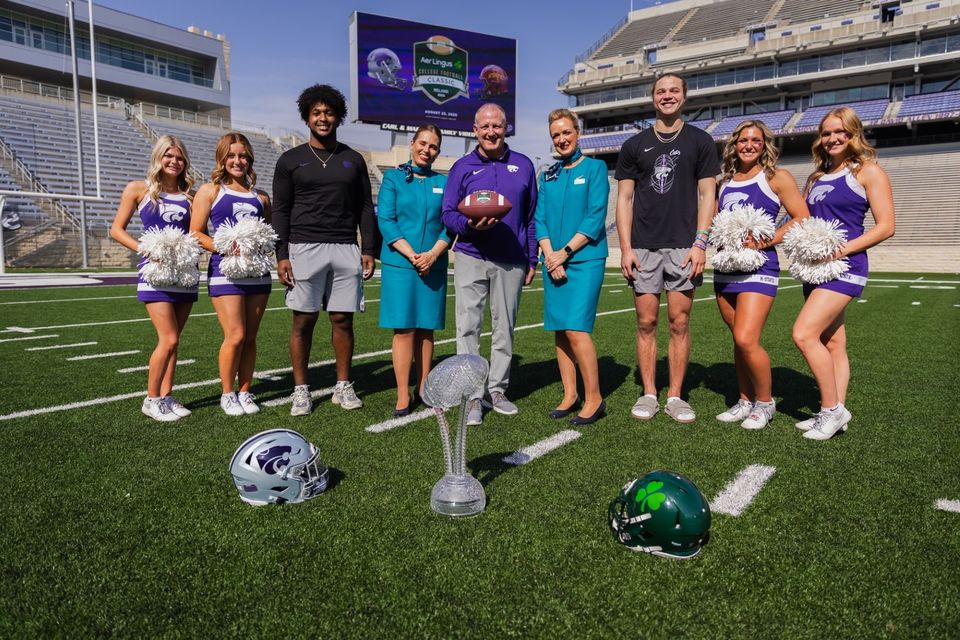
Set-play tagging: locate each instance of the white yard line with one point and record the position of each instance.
(393, 423)
(47, 337)
(948, 505)
(145, 368)
(926, 286)
(740, 492)
(60, 346)
(95, 356)
(545, 446)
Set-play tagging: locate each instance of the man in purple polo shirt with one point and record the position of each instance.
(494, 258)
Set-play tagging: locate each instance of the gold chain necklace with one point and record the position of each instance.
(664, 139)
(317, 155)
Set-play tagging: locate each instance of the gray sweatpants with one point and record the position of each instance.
(476, 280)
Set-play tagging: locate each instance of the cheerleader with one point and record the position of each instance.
(845, 183)
(162, 200)
(239, 302)
(751, 177)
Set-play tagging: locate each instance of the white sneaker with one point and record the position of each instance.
(345, 396)
(157, 409)
(806, 425)
(301, 404)
(176, 407)
(231, 405)
(737, 412)
(828, 423)
(247, 402)
(474, 413)
(760, 416)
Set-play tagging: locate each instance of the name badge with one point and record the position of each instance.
(438, 189)
(580, 180)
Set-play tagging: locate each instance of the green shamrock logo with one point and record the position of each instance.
(458, 64)
(651, 496)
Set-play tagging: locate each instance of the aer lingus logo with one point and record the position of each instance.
(440, 69)
(651, 496)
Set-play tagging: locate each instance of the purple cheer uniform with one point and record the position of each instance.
(168, 211)
(232, 206)
(838, 196)
(757, 193)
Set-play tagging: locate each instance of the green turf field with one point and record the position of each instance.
(114, 525)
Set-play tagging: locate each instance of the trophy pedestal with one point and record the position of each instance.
(458, 495)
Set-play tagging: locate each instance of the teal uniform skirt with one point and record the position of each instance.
(408, 301)
(571, 304)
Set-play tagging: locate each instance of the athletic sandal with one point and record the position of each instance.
(645, 407)
(680, 411)
(737, 412)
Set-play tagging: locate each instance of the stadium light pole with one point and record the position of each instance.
(76, 121)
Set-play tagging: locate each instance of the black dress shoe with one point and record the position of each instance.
(599, 413)
(556, 414)
(399, 413)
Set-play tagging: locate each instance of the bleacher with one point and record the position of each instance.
(43, 137)
(26, 208)
(930, 103)
(775, 120)
(868, 110)
(637, 34)
(795, 12)
(721, 20)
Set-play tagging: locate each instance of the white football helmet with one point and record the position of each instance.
(383, 64)
(278, 466)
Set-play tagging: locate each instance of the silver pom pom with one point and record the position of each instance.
(246, 247)
(172, 257)
(809, 244)
(731, 228)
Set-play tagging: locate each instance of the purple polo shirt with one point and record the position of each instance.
(513, 240)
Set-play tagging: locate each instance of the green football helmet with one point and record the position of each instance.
(661, 513)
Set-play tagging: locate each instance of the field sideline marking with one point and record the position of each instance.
(393, 423)
(47, 337)
(146, 368)
(95, 356)
(190, 385)
(949, 505)
(740, 492)
(545, 446)
(60, 346)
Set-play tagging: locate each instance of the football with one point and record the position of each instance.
(484, 204)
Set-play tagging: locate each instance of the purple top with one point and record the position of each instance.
(168, 211)
(838, 196)
(513, 240)
(757, 193)
(233, 206)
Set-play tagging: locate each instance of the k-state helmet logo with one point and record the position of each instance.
(172, 212)
(275, 459)
(242, 210)
(731, 200)
(818, 193)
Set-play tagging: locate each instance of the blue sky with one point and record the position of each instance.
(278, 48)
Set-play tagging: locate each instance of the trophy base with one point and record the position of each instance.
(458, 496)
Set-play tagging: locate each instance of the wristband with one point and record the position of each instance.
(702, 232)
(700, 244)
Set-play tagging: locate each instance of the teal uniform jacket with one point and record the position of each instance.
(411, 211)
(574, 202)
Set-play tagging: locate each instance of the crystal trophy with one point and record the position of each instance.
(452, 383)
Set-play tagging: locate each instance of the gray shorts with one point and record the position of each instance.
(326, 276)
(660, 269)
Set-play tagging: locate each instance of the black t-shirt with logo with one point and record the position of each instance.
(666, 174)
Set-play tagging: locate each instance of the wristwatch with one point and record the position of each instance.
(567, 250)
